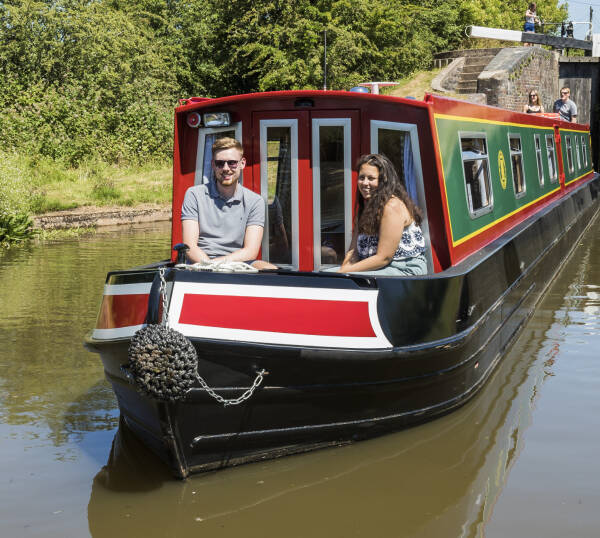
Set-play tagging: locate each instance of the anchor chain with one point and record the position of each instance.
(234, 401)
(163, 295)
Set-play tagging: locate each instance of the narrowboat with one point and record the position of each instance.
(312, 358)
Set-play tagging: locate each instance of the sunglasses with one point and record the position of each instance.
(232, 164)
(564, 93)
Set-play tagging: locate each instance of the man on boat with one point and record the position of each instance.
(566, 108)
(223, 221)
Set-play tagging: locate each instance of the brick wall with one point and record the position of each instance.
(514, 72)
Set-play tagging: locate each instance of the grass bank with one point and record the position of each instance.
(35, 185)
(52, 187)
(31, 186)
(415, 86)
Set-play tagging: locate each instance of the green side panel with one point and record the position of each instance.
(579, 162)
(504, 200)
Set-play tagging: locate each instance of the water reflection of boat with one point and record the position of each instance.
(506, 198)
(440, 479)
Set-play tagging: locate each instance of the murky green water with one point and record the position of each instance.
(521, 459)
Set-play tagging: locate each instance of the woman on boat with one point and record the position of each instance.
(387, 238)
(533, 106)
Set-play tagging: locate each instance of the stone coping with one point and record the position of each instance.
(467, 52)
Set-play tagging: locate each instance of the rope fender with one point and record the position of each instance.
(162, 362)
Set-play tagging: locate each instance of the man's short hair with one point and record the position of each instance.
(227, 143)
(565, 88)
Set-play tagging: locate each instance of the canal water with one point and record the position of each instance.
(520, 459)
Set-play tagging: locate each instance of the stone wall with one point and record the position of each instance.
(514, 72)
(448, 78)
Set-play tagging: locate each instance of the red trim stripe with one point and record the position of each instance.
(122, 311)
(271, 314)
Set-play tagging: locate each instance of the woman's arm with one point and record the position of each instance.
(525, 108)
(393, 221)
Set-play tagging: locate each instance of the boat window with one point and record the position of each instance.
(585, 154)
(279, 188)
(538, 158)
(578, 152)
(569, 148)
(206, 138)
(332, 190)
(551, 154)
(516, 159)
(476, 171)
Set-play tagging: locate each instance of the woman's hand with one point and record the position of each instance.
(350, 259)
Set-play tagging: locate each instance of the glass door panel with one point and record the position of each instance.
(279, 188)
(332, 190)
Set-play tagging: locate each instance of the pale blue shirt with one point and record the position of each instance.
(222, 221)
(566, 109)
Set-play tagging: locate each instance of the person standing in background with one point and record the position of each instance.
(530, 19)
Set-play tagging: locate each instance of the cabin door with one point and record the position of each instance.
(305, 167)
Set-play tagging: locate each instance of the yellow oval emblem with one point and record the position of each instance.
(502, 169)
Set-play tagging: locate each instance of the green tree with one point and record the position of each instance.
(86, 79)
(81, 78)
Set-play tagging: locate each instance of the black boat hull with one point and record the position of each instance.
(448, 331)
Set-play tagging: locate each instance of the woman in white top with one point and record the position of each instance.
(531, 18)
(387, 238)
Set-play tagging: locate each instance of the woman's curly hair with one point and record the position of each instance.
(369, 212)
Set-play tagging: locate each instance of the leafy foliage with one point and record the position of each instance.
(97, 80)
(79, 78)
(15, 229)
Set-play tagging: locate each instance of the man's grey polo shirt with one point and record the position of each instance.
(222, 221)
(566, 109)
